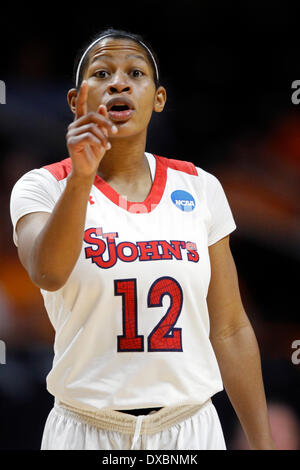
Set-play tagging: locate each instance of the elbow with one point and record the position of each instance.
(230, 330)
(47, 282)
(46, 273)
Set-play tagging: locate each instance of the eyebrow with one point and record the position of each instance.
(99, 57)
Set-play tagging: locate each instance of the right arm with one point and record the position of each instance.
(49, 244)
(44, 239)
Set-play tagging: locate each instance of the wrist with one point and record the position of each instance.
(263, 444)
(78, 181)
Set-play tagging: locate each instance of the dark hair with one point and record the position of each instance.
(116, 34)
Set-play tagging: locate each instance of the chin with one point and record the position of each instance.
(128, 129)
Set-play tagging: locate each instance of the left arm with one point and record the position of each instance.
(236, 348)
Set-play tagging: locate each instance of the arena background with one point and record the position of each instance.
(228, 69)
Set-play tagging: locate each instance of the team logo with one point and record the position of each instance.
(183, 200)
(105, 250)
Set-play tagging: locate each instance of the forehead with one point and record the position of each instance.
(117, 47)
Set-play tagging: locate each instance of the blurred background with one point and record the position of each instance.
(228, 69)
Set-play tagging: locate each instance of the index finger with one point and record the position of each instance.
(81, 100)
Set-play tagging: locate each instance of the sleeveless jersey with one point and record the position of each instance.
(132, 323)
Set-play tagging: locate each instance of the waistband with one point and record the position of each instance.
(141, 411)
(112, 420)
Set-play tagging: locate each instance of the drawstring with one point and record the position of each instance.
(137, 431)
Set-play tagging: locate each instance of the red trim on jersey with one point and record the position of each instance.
(60, 170)
(151, 200)
(186, 167)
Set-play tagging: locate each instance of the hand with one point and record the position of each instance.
(87, 137)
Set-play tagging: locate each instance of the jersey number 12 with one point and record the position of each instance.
(164, 337)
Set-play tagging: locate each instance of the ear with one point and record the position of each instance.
(72, 95)
(160, 99)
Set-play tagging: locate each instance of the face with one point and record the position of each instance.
(120, 76)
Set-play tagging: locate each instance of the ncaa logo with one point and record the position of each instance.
(183, 200)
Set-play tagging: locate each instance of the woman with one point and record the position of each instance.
(131, 253)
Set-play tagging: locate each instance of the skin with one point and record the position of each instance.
(117, 155)
(125, 162)
(123, 166)
(236, 348)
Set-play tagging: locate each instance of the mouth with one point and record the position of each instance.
(120, 109)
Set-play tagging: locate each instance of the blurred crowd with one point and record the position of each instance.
(259, 168)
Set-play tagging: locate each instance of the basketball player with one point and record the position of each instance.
(131, 253)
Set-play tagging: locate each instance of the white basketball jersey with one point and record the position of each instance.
(131, 323)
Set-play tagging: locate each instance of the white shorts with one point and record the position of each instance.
(171, 428)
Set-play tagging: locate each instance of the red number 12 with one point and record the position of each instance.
(164, 337)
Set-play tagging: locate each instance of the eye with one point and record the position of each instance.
(100, 74)
(136, 73)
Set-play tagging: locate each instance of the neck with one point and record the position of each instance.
(126, 160)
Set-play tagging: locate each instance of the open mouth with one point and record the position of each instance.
(120, 111)
(119, 107)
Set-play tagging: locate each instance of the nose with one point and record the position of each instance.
(119, 85)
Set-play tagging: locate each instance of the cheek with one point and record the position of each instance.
(95, 95)
(147, 100)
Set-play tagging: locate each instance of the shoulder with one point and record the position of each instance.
(179, 165)
(42, 181)
(60, 170)
(46, 174)
(209, 180)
